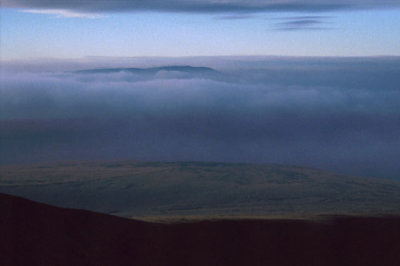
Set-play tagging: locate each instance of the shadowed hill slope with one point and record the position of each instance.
(142, 189)
(38, 234)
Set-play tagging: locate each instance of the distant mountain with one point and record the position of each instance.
(165, 72)
(38, 234)
(152, 70)
(168, 189)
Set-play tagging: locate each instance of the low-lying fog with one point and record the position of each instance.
(340, 114)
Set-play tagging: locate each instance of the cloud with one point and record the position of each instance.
(335, 113)
(235, 17)
(302, 23)
(203, 6)
(60, 13)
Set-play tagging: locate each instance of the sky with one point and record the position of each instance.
(74, 29)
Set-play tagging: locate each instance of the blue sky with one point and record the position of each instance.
(364, 32)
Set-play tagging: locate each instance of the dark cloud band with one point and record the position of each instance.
(203, 6)
(303, 23)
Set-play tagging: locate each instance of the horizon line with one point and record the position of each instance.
(194, 56)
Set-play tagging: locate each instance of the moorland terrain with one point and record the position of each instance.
(188, 189)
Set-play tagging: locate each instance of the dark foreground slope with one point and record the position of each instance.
(38, 234)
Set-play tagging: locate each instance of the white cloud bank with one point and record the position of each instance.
(61, 13)
(339, 114)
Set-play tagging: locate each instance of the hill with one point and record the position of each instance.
(38, 234)
(151, 72)
(150, 190)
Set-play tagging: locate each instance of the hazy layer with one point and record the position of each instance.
(334, 113)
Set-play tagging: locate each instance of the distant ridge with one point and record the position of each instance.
(151, 70)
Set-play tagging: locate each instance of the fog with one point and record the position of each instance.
(339, 114)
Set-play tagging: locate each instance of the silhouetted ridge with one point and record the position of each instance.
(152, 70)
(38, 234)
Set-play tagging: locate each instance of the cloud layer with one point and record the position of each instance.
(302, 23)
(339, 114)
(204, 6)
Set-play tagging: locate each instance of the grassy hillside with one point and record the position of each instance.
(160, 189)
